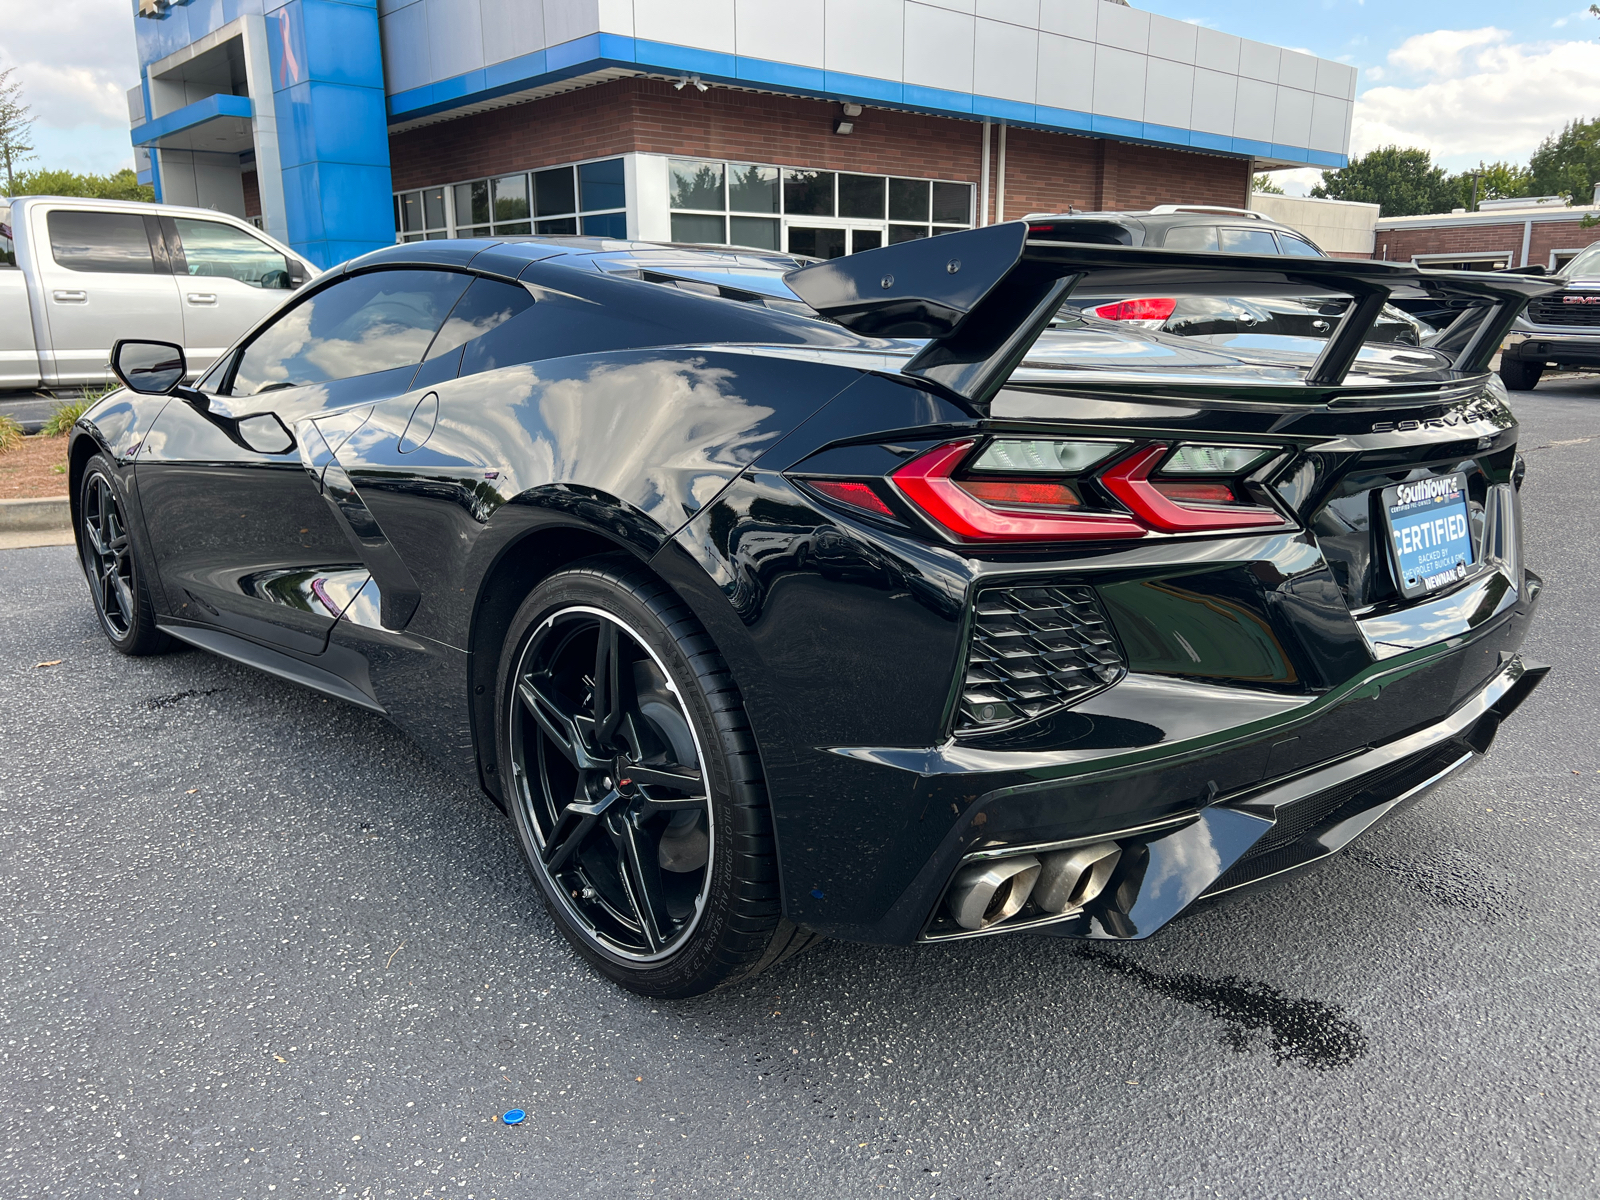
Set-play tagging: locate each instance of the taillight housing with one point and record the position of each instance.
(1149, 311)
(1005, 490)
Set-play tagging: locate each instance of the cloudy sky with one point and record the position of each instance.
(1466, 79)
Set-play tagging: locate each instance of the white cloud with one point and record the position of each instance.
(1297, 181)
(76, 61)
(1477, 95)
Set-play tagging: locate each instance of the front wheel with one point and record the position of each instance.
(1520, 375)
(635, 784)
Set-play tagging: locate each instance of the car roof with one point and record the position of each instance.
(1143, 226)
(611, 255)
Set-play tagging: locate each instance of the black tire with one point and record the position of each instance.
(1520, 375)
(116, 577)
(595, 839)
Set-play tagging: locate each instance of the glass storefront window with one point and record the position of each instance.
(808, 193)
(952, 204)
(752, 188)
(760, 233)
(694, 184)
(908, 199)
(861, 196)
(553, 200)
(693, 227)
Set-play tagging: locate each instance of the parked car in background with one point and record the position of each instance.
(78, 274)
(702, 561)
(1559, 330)
(1220, 230)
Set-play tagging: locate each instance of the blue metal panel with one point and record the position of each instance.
(470, 84)
(1247, 146)
(785, 75)
(1211, 141)
(1003, 110)
(685, 58)
(936, 99)
(1167, 135)
(1116, 126)
(333, 137)
(579, 50)
(512, 72)
(212, 108)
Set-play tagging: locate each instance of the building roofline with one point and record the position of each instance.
(1503, 216)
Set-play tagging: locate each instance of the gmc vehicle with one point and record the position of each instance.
(1560, 330)
(77, 274)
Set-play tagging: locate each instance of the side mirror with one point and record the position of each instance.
(149, 368)
(297, 272)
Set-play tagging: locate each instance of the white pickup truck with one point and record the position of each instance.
(76, 275)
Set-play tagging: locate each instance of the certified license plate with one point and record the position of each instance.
(1430, 532)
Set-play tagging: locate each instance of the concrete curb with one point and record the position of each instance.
(50, 514)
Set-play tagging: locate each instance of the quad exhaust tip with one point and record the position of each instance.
(984, 894)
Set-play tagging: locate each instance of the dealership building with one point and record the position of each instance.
(815, 126)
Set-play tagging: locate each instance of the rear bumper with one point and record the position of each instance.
(1568, 347)
(1211, 814)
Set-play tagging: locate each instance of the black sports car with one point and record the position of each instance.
(776, 600)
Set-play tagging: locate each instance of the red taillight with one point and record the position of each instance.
(926, 482)
(857, 495)
(1195, 493)
(1011, 493)
(1152, 308)
(1129, 481)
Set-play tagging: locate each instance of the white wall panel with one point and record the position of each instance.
(1119, 83)
(1253, 110)
(1329, 118)
(404, 34)
(1215, 94)
(866, 37)
(386, 7)
(1217, 51)
(1014, 12)
(790, 32)
(616, 16)
(1297, 70)
(455, 37)
(1168, 93)
(966, 6)
(1291, 120)
(1172, 39)
(565, 20)
(939, 48)
(1125, 28)
(1257, 60)
(1066, 73)
(1336, 79)
(1071, 18)
(704, 24)
(511, 28)
(1005, 58)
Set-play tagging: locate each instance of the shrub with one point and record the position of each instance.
(66, 415)
(10, 433)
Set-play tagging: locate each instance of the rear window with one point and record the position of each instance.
(1191, 237)
(108, 242)
(1297, 245)
(1237, 240)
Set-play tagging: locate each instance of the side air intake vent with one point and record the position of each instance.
(1034, 651)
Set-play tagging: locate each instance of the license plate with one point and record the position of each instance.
(1430, 532)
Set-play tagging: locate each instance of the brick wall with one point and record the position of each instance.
(1399, 245)
(1044, 171)
(252, 193)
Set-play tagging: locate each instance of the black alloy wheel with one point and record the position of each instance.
(121, 599)
(635, 786)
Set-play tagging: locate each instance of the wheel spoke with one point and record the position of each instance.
(684, 779)
(641, 875)
(124, 598)
(562, 728)
(571, 827)
(607, 686)
(93, 535)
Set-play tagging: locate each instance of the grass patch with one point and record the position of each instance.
(10, 433)
(66, 414)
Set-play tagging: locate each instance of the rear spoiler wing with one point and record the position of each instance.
(983, 296)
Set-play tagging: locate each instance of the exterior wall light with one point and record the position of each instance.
(847, 125)
(686, 80)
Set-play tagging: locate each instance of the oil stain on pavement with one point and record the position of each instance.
(1308, 1032)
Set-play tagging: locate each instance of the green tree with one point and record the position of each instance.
(1496, 181)
(1567, 163)
(124, 185)
(1265, 183)
(16, 122)
(1402, 182)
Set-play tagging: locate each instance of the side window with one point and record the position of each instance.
(1237, 240)
(1298, 245)
(216, 251)
(366, 323)
(8, 251)
(1191, 237)
(487, 305)
(113, 242)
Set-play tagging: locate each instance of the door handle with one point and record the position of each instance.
(202, 298)
(69, 297)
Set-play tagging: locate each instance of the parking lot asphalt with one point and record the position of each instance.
(254, 945)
